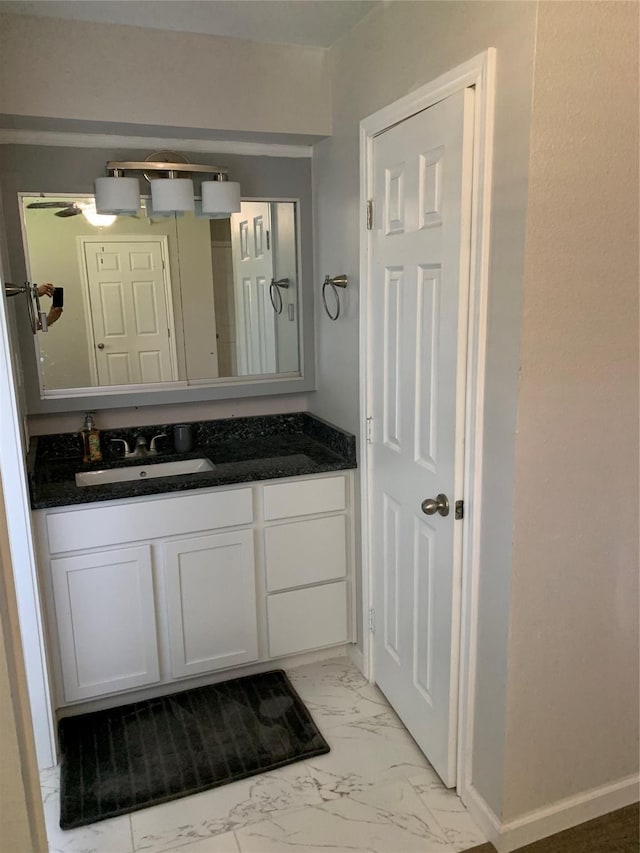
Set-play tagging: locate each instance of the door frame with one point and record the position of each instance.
(479, 73)
(82, 240)
(25, 613)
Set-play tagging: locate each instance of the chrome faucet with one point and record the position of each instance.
(140, 448)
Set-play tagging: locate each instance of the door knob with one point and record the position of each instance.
(100, 346)
(430, 506)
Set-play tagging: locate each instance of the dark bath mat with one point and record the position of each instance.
(145, 753)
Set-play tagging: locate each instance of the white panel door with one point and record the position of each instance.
(129, 312)
(211, 598)
(420, 269)
(106, 623)
(252, 274)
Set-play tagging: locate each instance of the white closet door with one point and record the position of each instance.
(420, 245)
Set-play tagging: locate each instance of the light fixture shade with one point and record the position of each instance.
(117, 195)
(172, 195)
(151, 213)
(200, 214)
(220, 197)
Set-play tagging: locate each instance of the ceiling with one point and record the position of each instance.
(304, 22)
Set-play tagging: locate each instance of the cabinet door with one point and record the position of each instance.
(106, 621)
(211, 601)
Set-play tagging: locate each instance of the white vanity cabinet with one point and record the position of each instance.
(148, 590)
(144, 594)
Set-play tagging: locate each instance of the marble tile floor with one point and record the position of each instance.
(374, 792)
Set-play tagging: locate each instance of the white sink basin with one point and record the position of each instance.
(143, 472)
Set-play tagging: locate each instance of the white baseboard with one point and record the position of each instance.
(549, 820)
(569, 812)
(487, 821)
(355, 656)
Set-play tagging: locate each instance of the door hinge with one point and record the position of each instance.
(459, 513)
(372, 620)
(369, 430)
(369, 215)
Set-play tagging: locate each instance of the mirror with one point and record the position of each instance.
(153, 302)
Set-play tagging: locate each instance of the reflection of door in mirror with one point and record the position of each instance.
(263, 238)
(253, 272)
(223, 295)
(285, 266)
(128, 300)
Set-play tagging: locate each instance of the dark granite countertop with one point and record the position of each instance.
(242, 449)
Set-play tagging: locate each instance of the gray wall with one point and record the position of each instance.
(556, 712)
(33, 168)
(395, 49)
(79, 71)
(573, 715)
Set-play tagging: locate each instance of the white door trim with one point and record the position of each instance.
(21, 546)
(163, 240)
(478, 72)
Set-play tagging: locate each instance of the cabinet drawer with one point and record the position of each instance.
(307, 618)
(306, 552)
(306, 497)
(131, 522)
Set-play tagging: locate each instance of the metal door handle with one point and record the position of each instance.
(100, 346)
(430, 506)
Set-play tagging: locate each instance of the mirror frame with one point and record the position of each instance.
(41, 401)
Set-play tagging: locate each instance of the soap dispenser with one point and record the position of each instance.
(91, 440)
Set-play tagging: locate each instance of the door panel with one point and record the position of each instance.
(129, 312)
(420, 246)
(253, 272)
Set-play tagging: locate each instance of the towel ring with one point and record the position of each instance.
(274, 288)
(334, 283)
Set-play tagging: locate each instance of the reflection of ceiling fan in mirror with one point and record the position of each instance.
(65, 209)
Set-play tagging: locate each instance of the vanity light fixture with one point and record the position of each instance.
(169, 175)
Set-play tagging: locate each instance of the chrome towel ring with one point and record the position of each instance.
(274, 293)
(334, 283)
